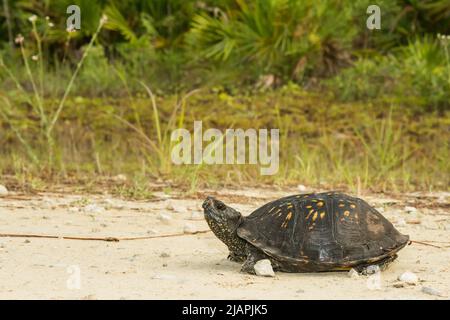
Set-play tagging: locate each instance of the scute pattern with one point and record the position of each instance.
(321, 228)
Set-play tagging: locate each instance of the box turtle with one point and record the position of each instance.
(307, 233)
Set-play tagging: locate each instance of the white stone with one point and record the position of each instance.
(410, 209)
(164, 217)
(264, 268)
(301, 187)
(400, 222)
(432, 291)
(111, 204)
(3, 191)
(409, 278)
(353, 273)
(372, 269)
(189, 228)
(93, 208)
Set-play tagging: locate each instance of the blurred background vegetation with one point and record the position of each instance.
(358, 108)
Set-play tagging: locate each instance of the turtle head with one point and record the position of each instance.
(219, 213)
(223, 221)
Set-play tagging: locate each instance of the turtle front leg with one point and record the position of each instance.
(233, 256)
(253, 256)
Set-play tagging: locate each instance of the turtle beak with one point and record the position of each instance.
(208, 203)
(209, 207)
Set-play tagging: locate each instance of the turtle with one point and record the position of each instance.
(312, 232)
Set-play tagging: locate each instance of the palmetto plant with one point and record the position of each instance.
(278, 36)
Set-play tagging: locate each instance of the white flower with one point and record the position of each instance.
(19, 39)
(103, 19)
(34, 58)
(47, 18)
(32, 18)
(51, 24)
(71, 29)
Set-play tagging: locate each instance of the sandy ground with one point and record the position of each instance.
(193, 266)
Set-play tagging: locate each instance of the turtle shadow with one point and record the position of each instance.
(215, 265)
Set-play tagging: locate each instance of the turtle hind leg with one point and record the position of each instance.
(253, 256)
(380, 265)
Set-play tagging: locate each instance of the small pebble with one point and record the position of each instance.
(432, 291)
(301, 187)
(3, 191)
(164, 217)
(93, 208)
(264, 268)
(164, 255)
(372, 269)
(111, 204)
(400, 222)
(410, 209)
(189, 229)
(353, 273)
(409, 278)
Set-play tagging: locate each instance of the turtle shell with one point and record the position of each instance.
(324, 230)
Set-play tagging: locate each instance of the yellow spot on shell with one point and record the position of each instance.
(309, 207)
(352, 206)
(341, 205)
(289, 216)
(310, 211)
(322, 214)
(346, 213)
(314, 216)
(320, 204)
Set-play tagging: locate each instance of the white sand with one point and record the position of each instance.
(191, 266)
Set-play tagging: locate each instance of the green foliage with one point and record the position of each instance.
(418, 74)
(284, 37)
(237, 51)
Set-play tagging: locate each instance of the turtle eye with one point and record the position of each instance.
(220, 205)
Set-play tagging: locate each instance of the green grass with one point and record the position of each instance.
(349, 146)
(80, 119)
